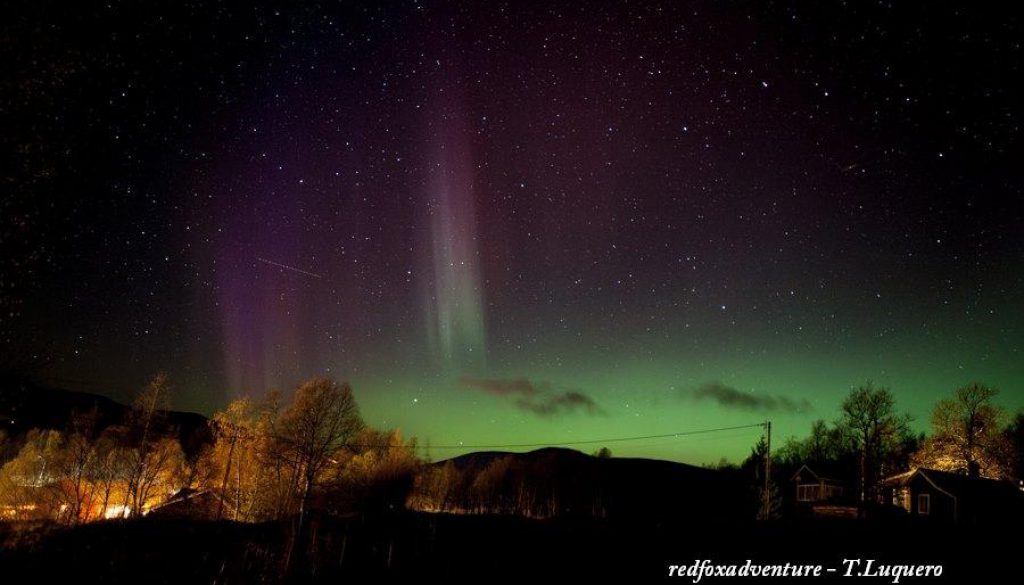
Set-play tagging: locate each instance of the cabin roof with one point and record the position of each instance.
(954, 484)
(805, 469)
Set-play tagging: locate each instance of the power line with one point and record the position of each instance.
(593, 441)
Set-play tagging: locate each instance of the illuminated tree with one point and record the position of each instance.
(487, 492)
(376, 474)
(276, 477)
(245, 463)
(870, 419)
(78, 466)
(110, 470)
(322, 418)
(228, 470)
(150, 459)
(29, 483)
(967, 435)
(434, 488)
(159, 474)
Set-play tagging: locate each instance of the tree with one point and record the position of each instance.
(764, 490)
(377, 473)
(603, 453)
(160, 474)
(144, 422)
(869, 417)
(30, 483)
(79, 465)
(434, 488)
(246, 463)
(275, 476)
(322, 418)
(111, 467)
(967, 435)
(231, 463)
(826, 444)
(1015, 437)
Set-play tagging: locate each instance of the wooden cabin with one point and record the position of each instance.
(951, 497)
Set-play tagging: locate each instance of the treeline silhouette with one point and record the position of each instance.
(268, 460)
(871, 439)
(303, 490)
(257, 461)
(562, 483)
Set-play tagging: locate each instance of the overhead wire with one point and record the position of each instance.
(592, 441)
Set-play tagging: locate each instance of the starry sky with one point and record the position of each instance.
(512, 222)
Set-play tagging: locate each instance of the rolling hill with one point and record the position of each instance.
(26, 405)
(556, 482)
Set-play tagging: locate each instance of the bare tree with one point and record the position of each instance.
(145, 418)
(869, 416)
(79, 465)
(110, 468)
(322, 418)
(434, 488)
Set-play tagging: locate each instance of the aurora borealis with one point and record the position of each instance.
(509, 223)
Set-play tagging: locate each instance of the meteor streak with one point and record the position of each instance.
(286, 267)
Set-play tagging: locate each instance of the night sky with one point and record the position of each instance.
(519, 222)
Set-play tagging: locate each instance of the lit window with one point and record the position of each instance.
(804, 493)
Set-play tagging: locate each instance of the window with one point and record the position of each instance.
(807, 493)
(924, 504)
(901, 498)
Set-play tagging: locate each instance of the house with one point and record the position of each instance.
(811, 488)
(951, 497)
(202, 504)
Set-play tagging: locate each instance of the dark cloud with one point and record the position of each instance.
(730, 397)
(520, 386)
(563, 403)
(536, 398)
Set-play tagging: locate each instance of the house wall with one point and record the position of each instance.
(202, 506)
(818, 492)
(943, 507)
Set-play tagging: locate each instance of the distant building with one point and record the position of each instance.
(202, 504)
(950, 497)
(811, 488)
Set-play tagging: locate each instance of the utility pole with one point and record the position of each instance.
(227, 471)
(767, 470)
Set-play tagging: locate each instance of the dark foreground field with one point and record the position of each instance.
(414, 547)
